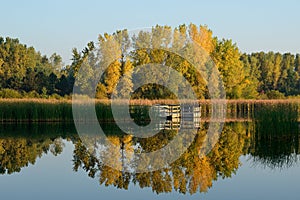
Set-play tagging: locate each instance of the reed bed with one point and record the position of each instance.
(276, 124)
(276, 119)
(44, 110)
(35, 111)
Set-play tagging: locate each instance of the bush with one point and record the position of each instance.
(55, 96)
(9, 93)
(294, 97)
(274, 94)
(32, 94)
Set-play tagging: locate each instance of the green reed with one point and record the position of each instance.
(275, 142)
(277, 118)
(61, 111)
(35, 110)
(44, 111)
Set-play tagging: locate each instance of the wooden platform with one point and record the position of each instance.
(185, 116)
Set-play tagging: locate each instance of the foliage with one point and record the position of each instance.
(245, 76)
(24, 72)
(9, 93)
(274, 94)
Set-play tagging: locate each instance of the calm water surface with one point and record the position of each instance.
(48, 161)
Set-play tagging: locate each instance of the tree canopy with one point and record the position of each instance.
(24, 72)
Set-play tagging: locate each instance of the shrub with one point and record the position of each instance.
(9, 93)
(274, 94)
(32, 94)
(55, 96)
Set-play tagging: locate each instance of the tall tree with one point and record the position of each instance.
(227, 58)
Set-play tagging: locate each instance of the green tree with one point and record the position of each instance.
(227, 58)
(56, 62)
(252, 75)
(22, 68)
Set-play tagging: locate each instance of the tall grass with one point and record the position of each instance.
(34, 111)
(43, 110)
(276, 118)
(276, 142)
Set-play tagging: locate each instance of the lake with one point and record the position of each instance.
(253, 157)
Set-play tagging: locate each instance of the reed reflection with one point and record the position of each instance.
(21, 145)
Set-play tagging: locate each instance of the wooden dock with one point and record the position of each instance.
(185, 116)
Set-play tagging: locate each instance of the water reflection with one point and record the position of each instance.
(189, 173)
(21, 145)
(275, 139)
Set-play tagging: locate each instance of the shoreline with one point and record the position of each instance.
(148, 102)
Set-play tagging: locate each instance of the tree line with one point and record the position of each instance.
(24, 72)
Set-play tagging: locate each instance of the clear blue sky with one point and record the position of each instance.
(59, 25)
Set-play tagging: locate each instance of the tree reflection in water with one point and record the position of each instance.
(190, 173)
(275, 141)
(20, 146)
